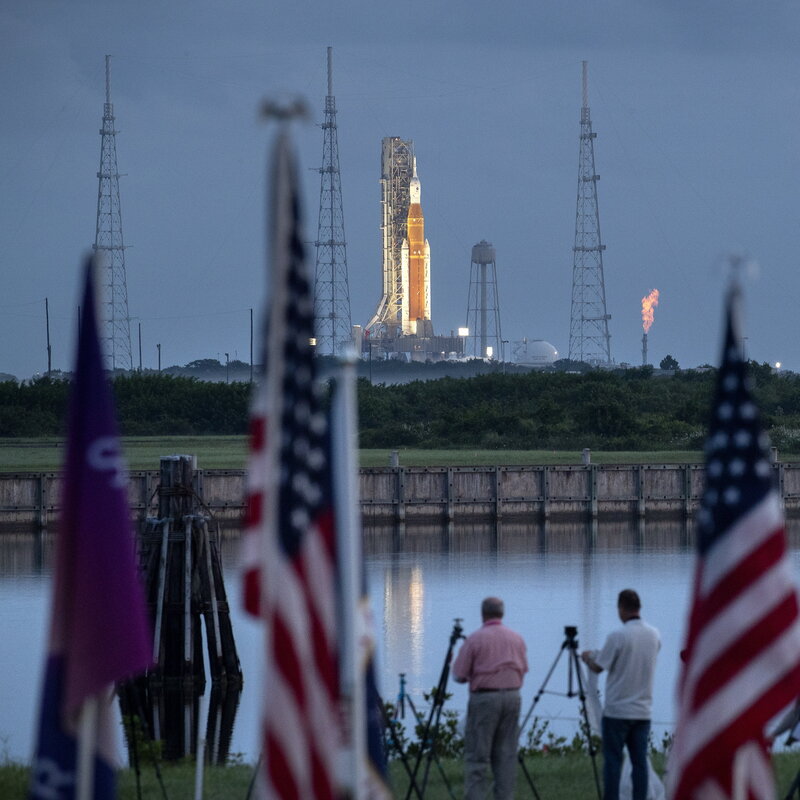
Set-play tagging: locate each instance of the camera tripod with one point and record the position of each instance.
(427, 743)
(574, 676)
(795, 787)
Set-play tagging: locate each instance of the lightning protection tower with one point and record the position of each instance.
(331, 290)
(108, 243)
(483, 305)
(589, 339)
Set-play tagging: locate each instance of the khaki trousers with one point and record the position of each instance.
(491, 740)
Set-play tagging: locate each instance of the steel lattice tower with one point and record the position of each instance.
(483, 305)
(331, 290)
(589, 339)
(114, 318)
(397, 169)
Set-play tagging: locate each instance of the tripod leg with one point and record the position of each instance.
(539, 694)
(527, 775)
(439, 698)
(437, 716)
(445, 779)
(390, 723)
(582, 696)
(795, 787)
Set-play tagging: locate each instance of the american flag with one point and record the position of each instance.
(289, 546)
(742, 661)
(363, 762)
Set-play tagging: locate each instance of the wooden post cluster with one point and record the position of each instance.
(182, 573)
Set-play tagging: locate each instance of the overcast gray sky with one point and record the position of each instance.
(695, 106)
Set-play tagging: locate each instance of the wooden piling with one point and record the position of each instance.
(181, 569)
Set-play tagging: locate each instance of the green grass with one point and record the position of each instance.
(219, 783)
(230, 452)
(556, 777)
(559, 776)
(141, 452)
(508, 458)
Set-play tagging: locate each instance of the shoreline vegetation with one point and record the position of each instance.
(631, 410)
(555, 776)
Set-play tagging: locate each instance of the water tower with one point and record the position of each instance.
(483, 306)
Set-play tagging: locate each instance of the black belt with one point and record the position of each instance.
(481, 691)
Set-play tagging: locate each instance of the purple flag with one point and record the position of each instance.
(99, 630)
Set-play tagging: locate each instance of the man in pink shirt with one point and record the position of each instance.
(493, 660)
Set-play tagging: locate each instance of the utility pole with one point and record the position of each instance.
(47, 323)
(589, 339)
(332, 323)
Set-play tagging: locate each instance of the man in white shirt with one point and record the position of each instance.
(629, 656)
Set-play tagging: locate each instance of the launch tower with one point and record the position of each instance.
(331, 290)
(108, 243)
(483, 306)
(397, 169)
(589, 339)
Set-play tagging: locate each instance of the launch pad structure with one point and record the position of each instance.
(401, 326)
(397, 167)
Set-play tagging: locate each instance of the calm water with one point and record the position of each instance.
(565, 575)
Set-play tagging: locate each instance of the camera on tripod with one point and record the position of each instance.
(574, 679)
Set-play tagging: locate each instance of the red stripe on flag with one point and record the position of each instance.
(728, 663)
(279, 770)
(254, 510)
(741, 577)
(258, 434)
(252, 591)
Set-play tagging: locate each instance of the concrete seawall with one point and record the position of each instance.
(433, 494)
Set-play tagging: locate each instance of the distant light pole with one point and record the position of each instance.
(47, 323)
(227, 361)
(503, 343)
(158, 347)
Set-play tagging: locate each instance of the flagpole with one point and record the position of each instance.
(348, 527)
(87, 741)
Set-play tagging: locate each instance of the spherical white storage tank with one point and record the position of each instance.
(535, 352)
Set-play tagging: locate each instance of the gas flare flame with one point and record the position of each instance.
(648, 306)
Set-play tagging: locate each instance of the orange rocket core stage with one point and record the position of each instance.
(416, 262)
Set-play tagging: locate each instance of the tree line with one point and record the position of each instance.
(633, 409)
